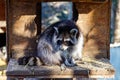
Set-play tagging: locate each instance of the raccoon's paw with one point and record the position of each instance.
(73, 62)
(32, 61)
(69, 64)
(38, 61)
(63, 67)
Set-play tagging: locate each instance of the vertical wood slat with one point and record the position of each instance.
(7, 32)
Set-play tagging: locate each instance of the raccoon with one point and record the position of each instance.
(55, 40)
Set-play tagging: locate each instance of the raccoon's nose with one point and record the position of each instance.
(64, 47)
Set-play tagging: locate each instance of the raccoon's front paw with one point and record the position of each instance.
(63, 67)
(69, 64)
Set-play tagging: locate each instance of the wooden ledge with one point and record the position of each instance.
(88, 1)
(87, 68)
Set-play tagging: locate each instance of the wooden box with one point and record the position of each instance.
(24, 25)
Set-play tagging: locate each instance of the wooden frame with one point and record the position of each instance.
(94, 23)
(16, 20)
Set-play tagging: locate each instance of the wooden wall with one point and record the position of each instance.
(94, 21)
(23, 27)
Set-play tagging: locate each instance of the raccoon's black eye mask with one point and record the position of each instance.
(59, 42)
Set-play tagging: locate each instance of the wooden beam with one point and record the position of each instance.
(87, 69)
(93, 1)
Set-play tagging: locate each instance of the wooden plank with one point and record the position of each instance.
(44, 71)
(93, 1)
(87, 68)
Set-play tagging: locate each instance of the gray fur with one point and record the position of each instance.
(48, 49)
(57, 44)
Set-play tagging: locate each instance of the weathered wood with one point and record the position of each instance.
(43, 71)
(91, 1)
(22, 32)
(2, 10)
(87, 68)
(22, 29)
(94, 22)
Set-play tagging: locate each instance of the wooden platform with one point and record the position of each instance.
(87, 68)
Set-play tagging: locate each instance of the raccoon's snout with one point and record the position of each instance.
(70, 42)
(63, 47)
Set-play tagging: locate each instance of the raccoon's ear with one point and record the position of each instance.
(56, 30)
(73, 32)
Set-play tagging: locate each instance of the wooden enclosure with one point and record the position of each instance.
(24, 25)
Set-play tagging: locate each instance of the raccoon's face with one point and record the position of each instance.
(67, 39)
(66, 34)
(70, 38)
